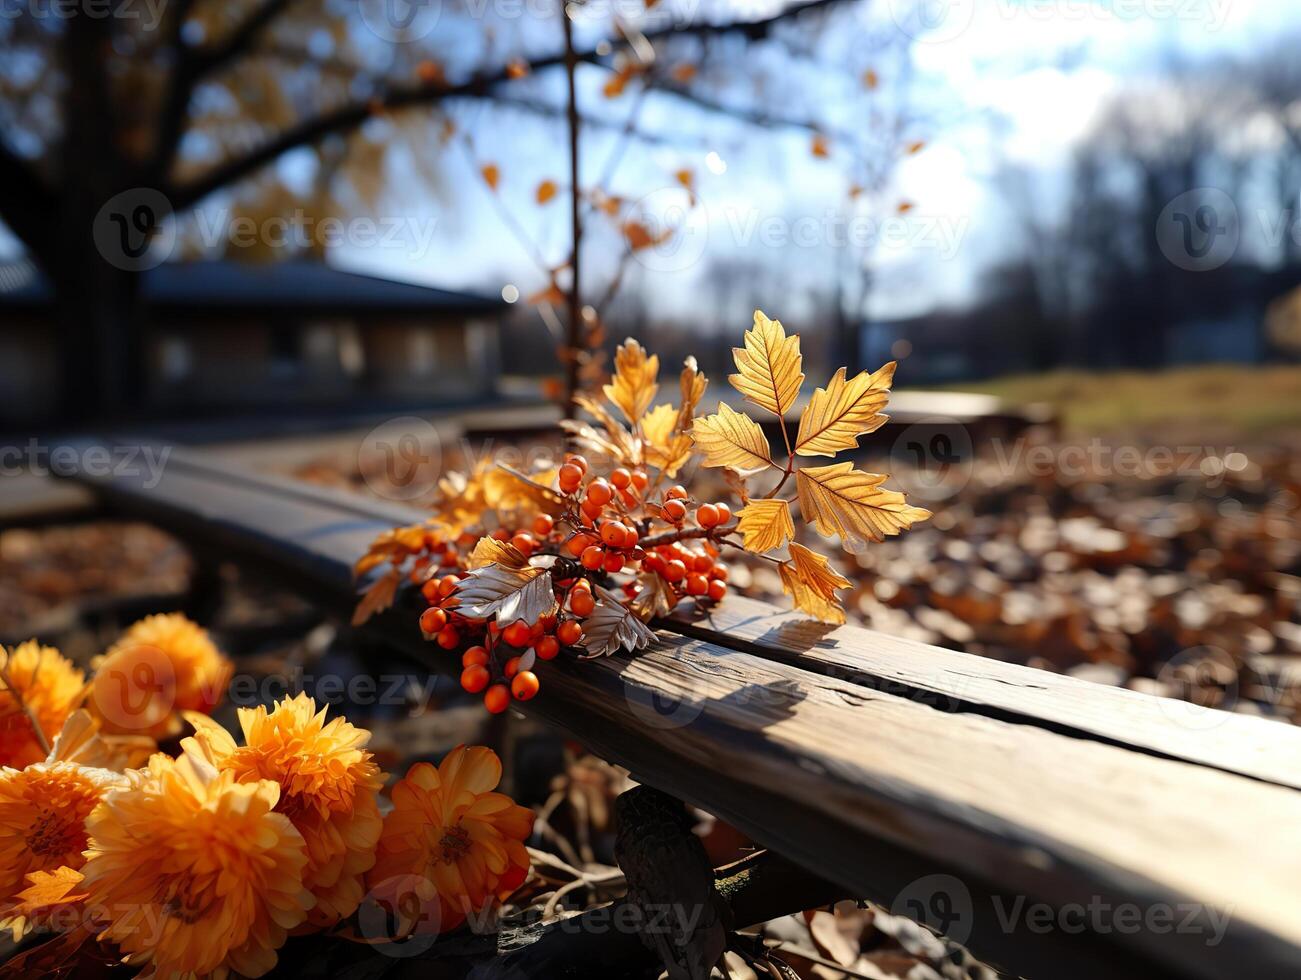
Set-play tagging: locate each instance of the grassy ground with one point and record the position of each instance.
(1238, 398)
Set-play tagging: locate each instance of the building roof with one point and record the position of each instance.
(298, 285)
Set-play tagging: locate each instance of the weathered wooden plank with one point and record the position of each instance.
(872, 789)
(1256, 747)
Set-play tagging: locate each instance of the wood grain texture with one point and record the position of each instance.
(807, 749)
(1256, 747)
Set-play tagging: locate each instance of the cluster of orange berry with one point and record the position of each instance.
(608, 527)
(483, 669)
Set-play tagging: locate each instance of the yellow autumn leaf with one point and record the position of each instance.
(770, 366)
(658, 425)
(842, 411)
(491, 175)
(765, 525)
(490, 551)
(840, 500)
(731, 438)
(378, 597)
(693, 385)
(634, 384)
(811, 582)
(545, 192)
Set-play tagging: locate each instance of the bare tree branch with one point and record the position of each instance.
(348, 116)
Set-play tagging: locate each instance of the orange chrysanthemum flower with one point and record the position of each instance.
(43, 813)
(329, 788)
(194, 873)
(38, 683)
(162, 666)
(461, 844)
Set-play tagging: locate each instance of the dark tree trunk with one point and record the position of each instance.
(95, 285)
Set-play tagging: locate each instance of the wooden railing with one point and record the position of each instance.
(1057, 827)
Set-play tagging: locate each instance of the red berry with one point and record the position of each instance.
(475, 678)
(620, 478)
(547, 648)
(697, 584)
(517, 634)
(676, 492)
(640, 480)
(581, 602)
(593, 558)
(717, 589)
(524, 686)
(501, 534)
(599, 493)
(578, 460)
(524, 543)
(706, 515)
(430, 590)
(724, 513)
(474, 655)
(543, 525)
(674, 510)
(432, 620)
(570, 477)
(577, 543)
(701, 563)
(569, 632)
(497, 698)
(613, 562)
(675, 571)
(447, 585)
(719, 572)
(449, 638)
(511, 668)
(614, 534)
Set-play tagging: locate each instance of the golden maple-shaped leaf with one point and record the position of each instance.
(731, 438)
(612, 626)
(838, 499)
(634, 384)
(658, 425)
(378, 597)
(462, 502)
(666, 448)
(765, 525)
(693, 385)
(510, 594)
(811, 582)
(506, 489)
(490, 551)
(770, 366)
(842, 411)
(617, 442)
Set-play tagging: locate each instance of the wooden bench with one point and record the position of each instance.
(1056, 827)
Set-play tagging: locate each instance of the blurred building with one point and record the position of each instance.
(225, 337)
